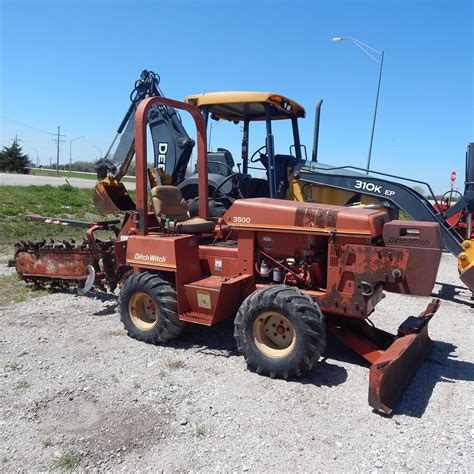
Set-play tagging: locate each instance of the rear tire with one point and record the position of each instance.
(149, 309)
(280, 331)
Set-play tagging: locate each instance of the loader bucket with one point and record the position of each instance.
(393, 370)
(111, 197)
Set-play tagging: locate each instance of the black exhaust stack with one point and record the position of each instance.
(314, 156)
(469, 183)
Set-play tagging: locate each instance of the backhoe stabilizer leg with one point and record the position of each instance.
(391, 373)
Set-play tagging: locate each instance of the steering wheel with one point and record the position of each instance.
(447, 196)
(253, 158)
(235, 190)
(450, 194)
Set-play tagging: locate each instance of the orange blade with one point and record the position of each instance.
(396, 366)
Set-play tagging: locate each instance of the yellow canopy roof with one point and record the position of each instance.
(242, 106)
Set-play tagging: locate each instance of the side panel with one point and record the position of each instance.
(178, 254)
(219, 261)
(357, 275)
(423, 242)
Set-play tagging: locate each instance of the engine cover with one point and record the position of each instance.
(281, 215)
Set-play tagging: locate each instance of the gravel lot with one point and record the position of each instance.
(77, 393)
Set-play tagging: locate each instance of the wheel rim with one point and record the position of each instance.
(274, 334)
(143, 311)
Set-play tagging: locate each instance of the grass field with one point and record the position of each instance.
(65, 201)
(74, 174)
(13, 290)
(49, 201)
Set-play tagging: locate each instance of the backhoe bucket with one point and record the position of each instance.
(393, 370)
(111, 197)
(467, 276)
(466, 264)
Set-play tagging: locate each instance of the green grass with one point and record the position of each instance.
(12, 289)
(13, 366)
(74, 174)
(200, 431)
(22, 384)
(64, 201)
(46, 442)
(67, 461)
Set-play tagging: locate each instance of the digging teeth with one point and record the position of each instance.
(38, 245)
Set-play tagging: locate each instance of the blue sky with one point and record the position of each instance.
(73, 63)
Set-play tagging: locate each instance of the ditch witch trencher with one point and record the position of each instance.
(288, 271)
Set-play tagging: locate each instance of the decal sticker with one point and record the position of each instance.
(218, 264)
(241, 220)
(372, 188)
(204, 299)
(150, 258)
(162, 150)
(310, 217)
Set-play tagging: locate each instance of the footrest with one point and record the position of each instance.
(197, 318)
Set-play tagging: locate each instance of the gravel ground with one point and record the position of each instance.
(77, 393)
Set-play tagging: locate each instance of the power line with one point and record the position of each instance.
(26, 125)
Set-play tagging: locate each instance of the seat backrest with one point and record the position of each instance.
(219, 162)
(168, 202)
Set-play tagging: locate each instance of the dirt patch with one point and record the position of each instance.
(176, 364)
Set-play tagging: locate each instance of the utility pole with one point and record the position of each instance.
(58, 141)
(16, 140)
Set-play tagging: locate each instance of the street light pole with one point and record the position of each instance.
(100, 151)
(213, 124)
(375, 112)
(70, 152)
(37, 155)
(368, 50)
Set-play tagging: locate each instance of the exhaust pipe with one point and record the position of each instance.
(314, 156)
(469, 183)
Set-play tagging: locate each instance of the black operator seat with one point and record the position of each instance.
(220, 162)
(168, 203)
